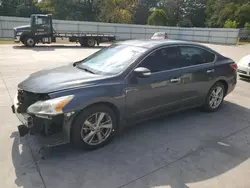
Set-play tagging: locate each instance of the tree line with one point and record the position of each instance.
(183, 13)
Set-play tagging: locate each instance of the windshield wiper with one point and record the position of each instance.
(86, 69)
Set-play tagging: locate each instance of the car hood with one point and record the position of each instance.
(22, 28)
(60, 78)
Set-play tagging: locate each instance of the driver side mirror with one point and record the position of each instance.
(142, 72)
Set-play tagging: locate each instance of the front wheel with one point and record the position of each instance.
(214, 97)
(30, 42)
(94, 127)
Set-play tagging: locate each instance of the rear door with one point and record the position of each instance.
(198, 74)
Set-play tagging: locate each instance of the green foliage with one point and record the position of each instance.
(185, 23)
(184, 13)
(22, 8)
(227, 13)
(247, 26)
(230, 24)
(117, 11)
(195, 12)
(69, 9)
(158, 17)
(243, 14)
(141, 14)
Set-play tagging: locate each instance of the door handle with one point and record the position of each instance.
(174, 80)
(210, 70)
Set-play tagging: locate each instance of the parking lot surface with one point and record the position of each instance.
(189, 149)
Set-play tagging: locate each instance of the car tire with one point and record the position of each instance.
(30, 42)
(85, 133)
(215, 97)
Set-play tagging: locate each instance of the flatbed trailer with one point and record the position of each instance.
(41, 30)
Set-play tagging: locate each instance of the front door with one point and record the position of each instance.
(41, 26)
(161, 91)
(198, 74)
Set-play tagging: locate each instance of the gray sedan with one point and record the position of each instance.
(88, 101)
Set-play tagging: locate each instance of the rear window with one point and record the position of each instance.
(193, 55)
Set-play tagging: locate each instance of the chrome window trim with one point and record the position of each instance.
(175, 45)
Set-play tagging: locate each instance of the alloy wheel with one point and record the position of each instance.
(96, 128)
(216, 97)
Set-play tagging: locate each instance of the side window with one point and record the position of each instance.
(195, 56)
(41, 21)
(163, 59)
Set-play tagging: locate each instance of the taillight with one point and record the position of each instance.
(234, 66)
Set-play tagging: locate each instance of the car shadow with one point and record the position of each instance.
(41, 48)
(169, 151)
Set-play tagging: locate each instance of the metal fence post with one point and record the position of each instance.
(115, 31)
(130, 32)
(1, 28)
(208, 38)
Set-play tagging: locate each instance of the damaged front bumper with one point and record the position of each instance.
(54, 130)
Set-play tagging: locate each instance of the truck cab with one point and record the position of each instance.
(39, 30)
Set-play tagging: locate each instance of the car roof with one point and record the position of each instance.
(164, 33)
(150, 43)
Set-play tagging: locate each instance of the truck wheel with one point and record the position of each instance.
(91, 42)
(30, 42)
(94, 127)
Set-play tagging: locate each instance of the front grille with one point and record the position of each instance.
(241, 71)
(25, 99)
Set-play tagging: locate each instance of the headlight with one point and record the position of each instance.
(50, 107)
(19, 33)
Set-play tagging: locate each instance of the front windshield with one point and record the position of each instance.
(112, 60)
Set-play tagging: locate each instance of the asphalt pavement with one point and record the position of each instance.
(190, 149)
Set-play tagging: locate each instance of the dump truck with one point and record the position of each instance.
(41, 30)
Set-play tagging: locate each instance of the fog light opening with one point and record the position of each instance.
(23, 130)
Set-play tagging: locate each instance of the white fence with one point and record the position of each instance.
(128, 31)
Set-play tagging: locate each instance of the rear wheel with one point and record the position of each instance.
(91, 42)
(94, 127)
(215, 97)
(30, 42)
